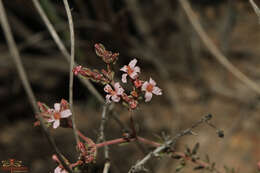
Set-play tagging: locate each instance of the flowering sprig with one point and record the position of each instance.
(53, 116)
(57, 113)
(142, 90)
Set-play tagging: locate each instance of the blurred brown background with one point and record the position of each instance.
(159, 35)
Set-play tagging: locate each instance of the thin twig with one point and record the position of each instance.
(140, 164)
(214, 50)
(102, 138)
(63, 49)
(72, 59)
(256, 9)
(22, 74)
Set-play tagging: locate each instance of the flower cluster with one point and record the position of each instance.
(139, 86)
(142, 90)
(53, 116)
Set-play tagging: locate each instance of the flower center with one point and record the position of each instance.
(149, 88)
(113, 93)
(129, 70)
(57, 116)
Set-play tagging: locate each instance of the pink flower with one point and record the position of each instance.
(113, 94)
(131, 70)
(57, 113)
(150, 89)
(77, 69)
(133, 103)
(60, 170)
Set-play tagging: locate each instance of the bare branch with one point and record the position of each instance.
(214, 50)
(63, 49)
(102, 138)
(256, 9)
(72, 59)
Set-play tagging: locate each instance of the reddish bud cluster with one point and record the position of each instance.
(93, 75)
(88, 151)
(107, 56)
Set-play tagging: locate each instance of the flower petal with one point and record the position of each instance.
(117, 86)
(57, 107)
(56, 124)
(132, 63)
(151, 81)
(124, 69)
(57, 170)
(50, 120)
(60, 170)
(108, 98)
(148, 96)
(124, 77)
(115, 98)
(133, 75)
(107, 88)
(50, 111)
(144, 86)
(157, 91)
(137, 69)
(119, 90)
(66, 113)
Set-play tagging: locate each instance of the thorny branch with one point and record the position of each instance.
(140, 164)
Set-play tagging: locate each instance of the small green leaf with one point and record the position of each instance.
(207, 158)
(179, 168)
(195, 148)
(198, 167)
(220, 133)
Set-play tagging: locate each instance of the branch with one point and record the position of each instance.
(102, 139)
(256, 9)
(63, 49)
(214, 50)
(139, 165)
(72, 59)
(21, 72)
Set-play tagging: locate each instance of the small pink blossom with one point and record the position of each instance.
(133, 103)
(138, 83)
(77, 69)
(150, 88)
(113, 94)
(57, 113)
(58, 169)
(131, 70)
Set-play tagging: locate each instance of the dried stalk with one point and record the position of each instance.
(256, 9)
(63, 49)
(214, 50)
(72, 60)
